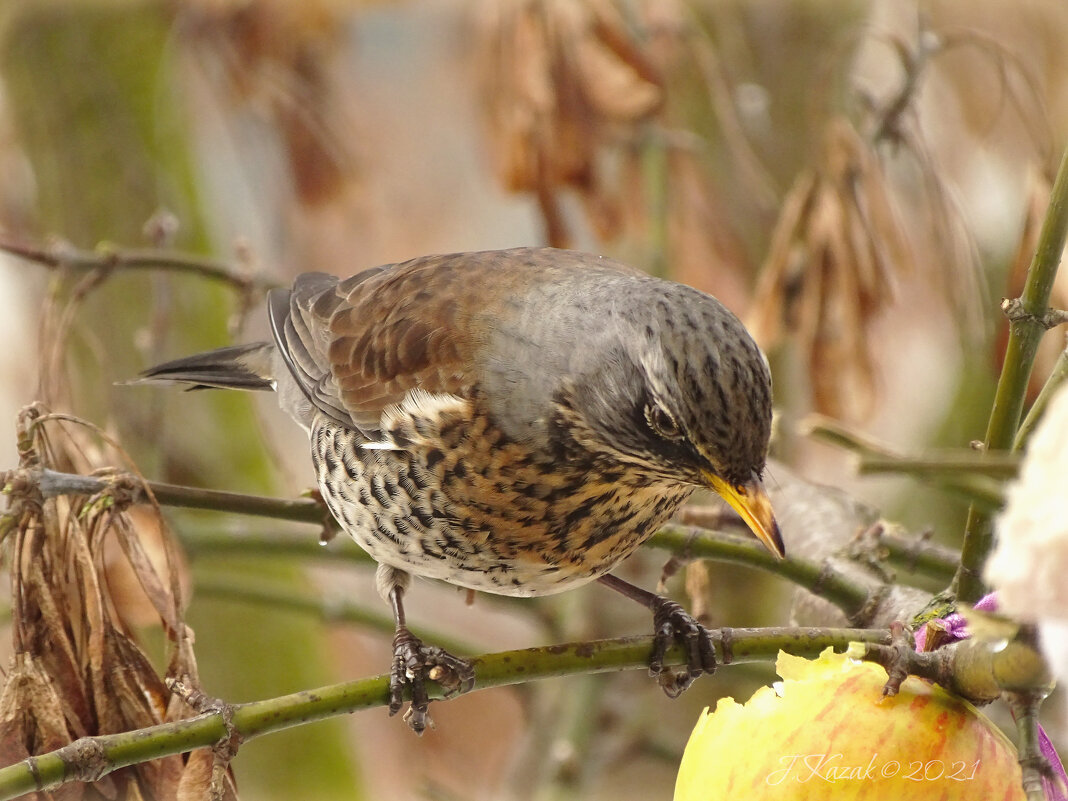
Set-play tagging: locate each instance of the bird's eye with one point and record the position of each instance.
(661, 421)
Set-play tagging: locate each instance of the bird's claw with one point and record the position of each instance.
(414, 663)
(674, 624)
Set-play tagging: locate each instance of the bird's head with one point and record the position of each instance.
(684, 395)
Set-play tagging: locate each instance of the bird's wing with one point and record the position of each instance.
(359, 345)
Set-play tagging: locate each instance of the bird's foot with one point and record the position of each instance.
(414, 663)
(674, 624)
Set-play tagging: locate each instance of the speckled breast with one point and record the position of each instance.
(473, 509)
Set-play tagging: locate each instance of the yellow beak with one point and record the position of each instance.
(751, 503)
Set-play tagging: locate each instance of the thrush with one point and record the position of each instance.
(516, 422)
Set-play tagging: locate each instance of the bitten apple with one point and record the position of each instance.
(827, 732)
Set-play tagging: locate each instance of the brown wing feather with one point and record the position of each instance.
(409, 327)
(361, 344)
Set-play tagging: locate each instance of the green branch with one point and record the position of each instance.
(131, 489)
(91, 758)
(1026, 327)
(271, 544)
(818, 578)
(1038, 408)
(323, 606)
(939, 464)
(917, 555)
(951, 472)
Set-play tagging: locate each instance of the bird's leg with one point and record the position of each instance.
(414, 662)
(672, 623)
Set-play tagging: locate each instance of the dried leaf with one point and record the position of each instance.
(195, 783)
(698, 586)
(832, 267)
(205, 777)
(278, 59)
(565, 80)
(78, 670)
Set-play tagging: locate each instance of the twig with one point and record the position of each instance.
(111, 752)
(818, 578)
(976, 669)
(850, 596)
(106, 257)
(1038, 408)
(1025, 333)
(911, 554)
(1033, 766)
(323, 606)
(938, 464)
(279, 544)
(917, 555)
(52, 483)
(975, 487)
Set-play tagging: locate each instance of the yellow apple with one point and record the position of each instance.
(827, 732)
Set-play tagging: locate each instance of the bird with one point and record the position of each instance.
(511, 421)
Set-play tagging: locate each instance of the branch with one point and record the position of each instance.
(939, 464)
(132, 489)
(1035, 768)
(107, 753)
(916, 554)
(852, 597)
(107, 258)
(977, 669)
(1038, 408)
(329, 608)
(912, 554)
(1025, 333)
(279, 544)
(944, 470)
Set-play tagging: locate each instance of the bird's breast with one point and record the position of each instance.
(447, 495)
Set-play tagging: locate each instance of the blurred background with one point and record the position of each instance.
(861, 182)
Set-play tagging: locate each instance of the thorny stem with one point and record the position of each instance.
(1025, 333)
(48, 771)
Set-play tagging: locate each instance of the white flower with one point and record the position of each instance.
(1029, 566)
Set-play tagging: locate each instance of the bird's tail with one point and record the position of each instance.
(236, 367)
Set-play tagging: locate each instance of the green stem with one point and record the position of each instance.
(910, 554)
(327, 609)
(107, 753)
(1025, 333)
(995, 465)
(876, 457)
(242, 543)
(1038, 408)
(917, 556)
(1025, 711)
(299, 510)
(816, 577)
(52, 483)
(847, 595)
